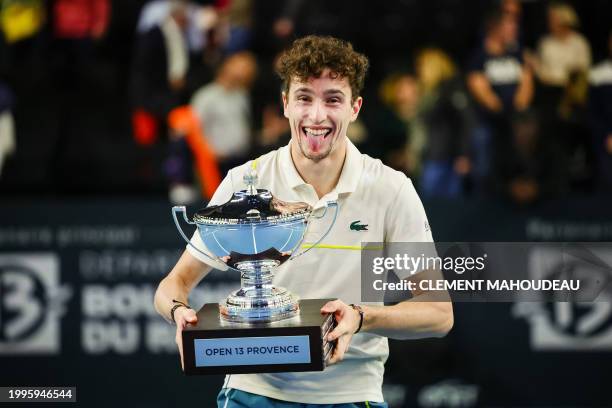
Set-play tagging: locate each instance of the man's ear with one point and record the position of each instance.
(356, 108)
(284, 96)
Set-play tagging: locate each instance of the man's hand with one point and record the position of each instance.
(480, 88)
(183, 316)
(348, 323)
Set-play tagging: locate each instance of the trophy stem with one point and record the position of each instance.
(258, 300)
(258, 278)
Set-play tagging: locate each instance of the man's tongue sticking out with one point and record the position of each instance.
(316, 138)
(315, 142)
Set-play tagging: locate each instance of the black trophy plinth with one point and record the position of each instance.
(215, 346)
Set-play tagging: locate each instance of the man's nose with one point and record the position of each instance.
(317, 112)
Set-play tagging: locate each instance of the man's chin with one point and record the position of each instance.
(317, 159)
(315, 156)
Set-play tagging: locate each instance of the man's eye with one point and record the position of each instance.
(333, 100)
(302, 98)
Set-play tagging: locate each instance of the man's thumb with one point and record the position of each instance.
(330, 307)
(190, 316)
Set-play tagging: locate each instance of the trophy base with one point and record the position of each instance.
(217, 346)
(249, 305)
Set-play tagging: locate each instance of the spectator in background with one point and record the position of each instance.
(163, 73)
(391, 133)
(284, 25)
(221, 113)
(224, 109)
(299, 17)
(513, 9)
(21, 19)
(562, 62)
(235, 25)
(560, 53)
(7, 125)
(500, 84)
(22, 39)
(564, 50)
(600, 107)
(81, 19)
(77, 25)
(199, 19)
(447, 121)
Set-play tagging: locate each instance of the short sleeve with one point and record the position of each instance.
(406, 221)
(222, 194)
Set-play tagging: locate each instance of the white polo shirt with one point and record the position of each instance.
(368, 192)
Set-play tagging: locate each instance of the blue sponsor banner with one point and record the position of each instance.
(252, 351)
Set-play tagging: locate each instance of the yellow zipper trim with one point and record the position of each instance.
(348, 247)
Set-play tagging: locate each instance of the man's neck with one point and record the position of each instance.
(494, 46)
(225, 82)
(563, 34)
(323, 175)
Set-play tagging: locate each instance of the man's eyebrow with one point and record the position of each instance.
(304, 89)
(328, 92)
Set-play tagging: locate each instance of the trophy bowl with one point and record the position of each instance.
(265, 228)
(253, 233)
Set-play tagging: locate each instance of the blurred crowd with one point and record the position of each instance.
(504, 111)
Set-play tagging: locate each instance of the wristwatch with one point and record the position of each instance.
(360, 311)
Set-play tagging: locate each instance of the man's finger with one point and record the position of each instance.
(190, 316)
(338, 353)
(179, 343)
(331, 306)
(338, 331)
(185, 316)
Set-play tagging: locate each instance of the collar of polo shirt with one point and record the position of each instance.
(349, 177)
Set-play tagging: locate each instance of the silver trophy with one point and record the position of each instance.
(254, 233)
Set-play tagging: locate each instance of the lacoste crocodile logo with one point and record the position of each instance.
(355, 226)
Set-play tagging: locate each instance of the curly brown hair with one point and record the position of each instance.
(310, 55)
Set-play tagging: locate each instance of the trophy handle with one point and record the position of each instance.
(181, 209)
(329, 204)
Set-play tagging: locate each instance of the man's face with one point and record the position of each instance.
(240, 70)
(509, 30)
(555, 23)
(319, 112)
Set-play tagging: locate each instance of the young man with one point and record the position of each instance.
(323, 78)
(497, 77)
(500, 84)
